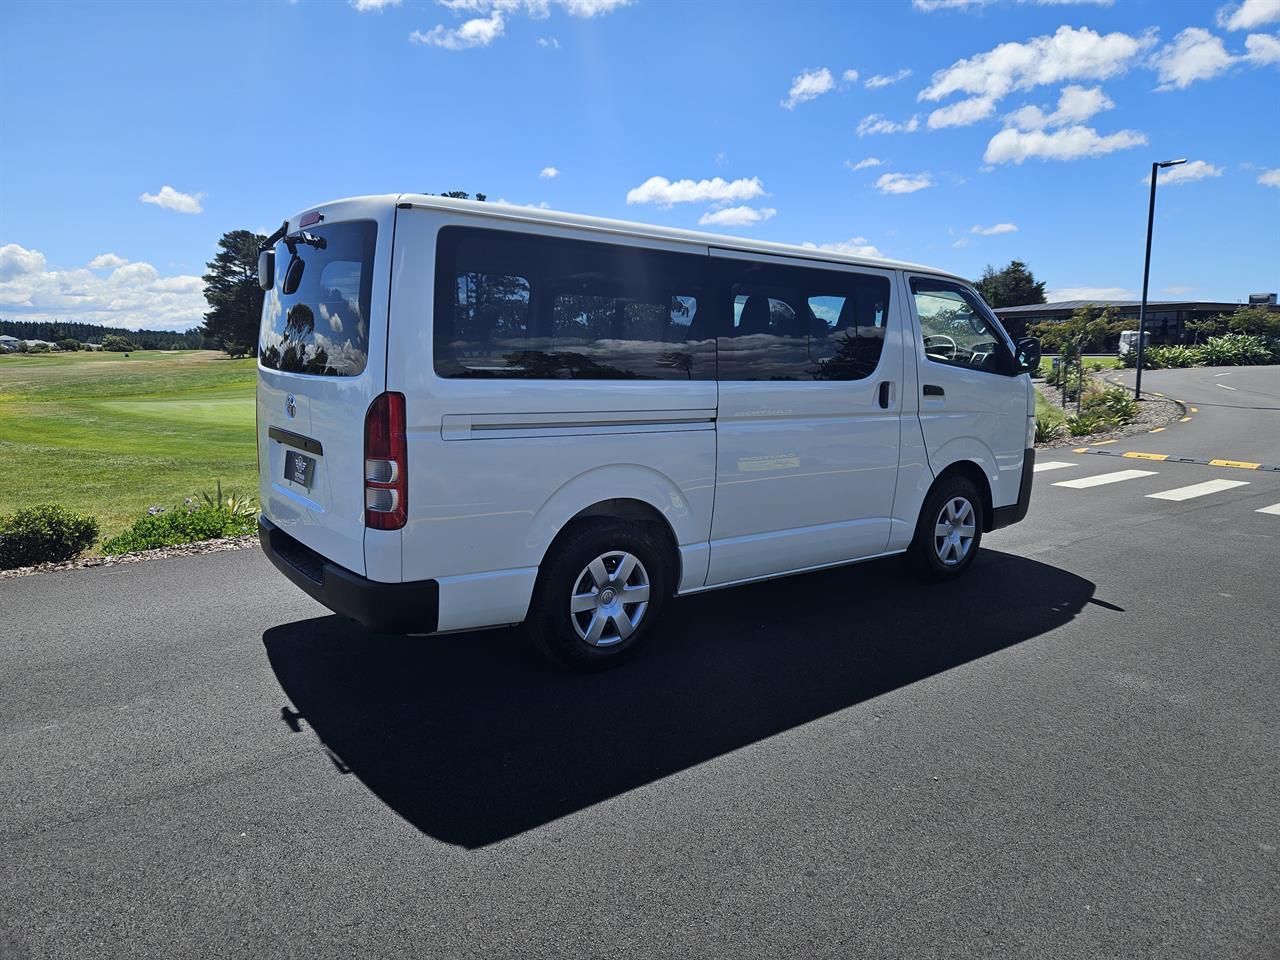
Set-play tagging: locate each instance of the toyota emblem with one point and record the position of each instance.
(291, 406)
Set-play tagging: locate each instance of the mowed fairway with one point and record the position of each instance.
(110, 435)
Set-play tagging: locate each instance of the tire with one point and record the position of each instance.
(954, 502)
(615, 608)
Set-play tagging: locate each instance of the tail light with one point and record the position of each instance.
(386, 464)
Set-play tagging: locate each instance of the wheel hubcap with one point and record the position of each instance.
(609, 598)
(954, 531)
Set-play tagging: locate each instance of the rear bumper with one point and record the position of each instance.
(1003, 516)
(381, 607)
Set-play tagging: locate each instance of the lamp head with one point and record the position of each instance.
(1171, 163)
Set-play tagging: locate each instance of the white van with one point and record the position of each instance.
(473, 414)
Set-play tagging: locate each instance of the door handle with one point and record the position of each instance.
(933, 390)
(884, 394)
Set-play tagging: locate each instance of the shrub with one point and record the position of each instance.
(37, 348)
(69, 344)
(1236, 350)
(1113, 405)
(115, 343)
(188, 523)
(1047, 429)
(1085, 424)
(1173, 357)
(44, 534)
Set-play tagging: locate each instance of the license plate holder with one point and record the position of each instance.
(299, 468)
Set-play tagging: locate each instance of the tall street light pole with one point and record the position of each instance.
(1146, 271)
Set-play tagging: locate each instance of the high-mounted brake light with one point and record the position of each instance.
(309, 218)
(386, 463)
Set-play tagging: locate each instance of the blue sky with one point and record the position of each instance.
(139, 133)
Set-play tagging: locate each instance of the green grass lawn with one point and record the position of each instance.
(1108, 361)
(1047, 411)
(109, 435)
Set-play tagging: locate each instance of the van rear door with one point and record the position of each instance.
(321, 362)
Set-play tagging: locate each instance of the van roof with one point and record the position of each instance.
(508, 211)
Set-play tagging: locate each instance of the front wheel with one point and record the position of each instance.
(598, 594)
(949, 530)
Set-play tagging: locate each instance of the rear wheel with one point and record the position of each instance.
(949, 530)
(599, 592)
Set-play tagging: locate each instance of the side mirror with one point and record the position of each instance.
(1027, 355)
(266, 268)
(293, 275)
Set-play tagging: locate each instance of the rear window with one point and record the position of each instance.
(320, 324)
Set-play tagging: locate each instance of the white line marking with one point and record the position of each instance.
(1224, 386)
(1198, 490)
(1274, 509)
(1227, 374)
(1103, 478)
(1053, 465)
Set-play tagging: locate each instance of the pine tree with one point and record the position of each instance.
(235, 299)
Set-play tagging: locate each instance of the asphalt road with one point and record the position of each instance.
(1070, 753)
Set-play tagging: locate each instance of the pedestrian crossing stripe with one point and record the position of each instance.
(1274, 509)
(1179, 494)
(1082, 483)
(1051, 465)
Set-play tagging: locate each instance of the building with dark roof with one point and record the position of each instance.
(1166, 319)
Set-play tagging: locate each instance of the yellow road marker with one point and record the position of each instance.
(1195, 409)
(1080, 450)
(1157, 429)
(1132, 455)
(1103, 443)
(1184, 420)
(1154, 394)
(1242, 464)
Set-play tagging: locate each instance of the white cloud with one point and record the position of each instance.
(1177, 290)
(1250, 14)
(865, 164)
(172, 199)
(107, 261)
(132, 295)
(961, 243)
(1075, 105)
(1185, 173)
(736, 216)
(479, 32)
(1195, 54)
(664, 192)
(854, 247)
(1069, 143)
(551, 42)
(1069, 54)
(375, 6)
(884, 80)
(1090, 293)
(592, 8)
(548, 173)
(1262, 48)
(808, 85)
(874, 123)
(903, 182)
(849, 76)
(994, 230)
(1270, 178)
(962, 113)
(722, 159)
(930, 5)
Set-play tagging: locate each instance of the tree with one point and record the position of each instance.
(1011, 286)
(1080, 332)
(231, 287)
(115, 343)
(1198, 327)
(461, 195)
(69, 344)
(1258, 321)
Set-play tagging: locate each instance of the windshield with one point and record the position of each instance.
(315, 319)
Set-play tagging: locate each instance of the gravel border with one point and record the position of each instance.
(1152, 412)
(181, 550)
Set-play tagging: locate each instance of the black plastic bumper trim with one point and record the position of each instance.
(1004, 516)
(295, 440)
(381, 607)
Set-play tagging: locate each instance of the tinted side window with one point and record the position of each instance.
(793, 323)
(512, 305)
(955, 330)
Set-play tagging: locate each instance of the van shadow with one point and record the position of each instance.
(473, 739)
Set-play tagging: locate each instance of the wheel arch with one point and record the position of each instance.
(975, 475)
